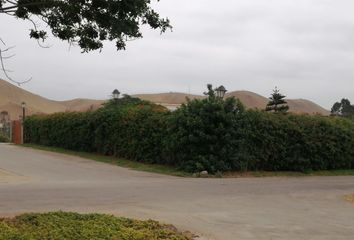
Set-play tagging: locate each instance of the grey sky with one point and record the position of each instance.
(305, 47)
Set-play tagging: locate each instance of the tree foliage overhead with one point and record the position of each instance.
(277, 102)
(88, 23)
(343, 108)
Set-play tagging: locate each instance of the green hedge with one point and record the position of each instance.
(295, 142)
(136, 134)
(208, 134)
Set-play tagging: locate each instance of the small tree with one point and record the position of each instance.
(343, 108)
(277, 102)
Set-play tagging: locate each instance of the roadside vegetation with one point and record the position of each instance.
(173, 171)
(3, 138)
(74, 226)
(211, 134)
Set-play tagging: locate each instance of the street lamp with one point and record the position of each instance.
(220, 92)
(115, 94)
(23, 104)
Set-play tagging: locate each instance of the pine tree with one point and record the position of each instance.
(277, 102)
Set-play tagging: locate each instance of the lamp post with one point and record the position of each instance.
(220, 92)
(115, 94)
(23, 104)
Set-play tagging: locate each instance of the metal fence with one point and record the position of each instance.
(6, 130)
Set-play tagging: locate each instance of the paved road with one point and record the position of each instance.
(222, 209)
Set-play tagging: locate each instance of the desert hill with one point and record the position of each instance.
(249, 99)
(81, 104)
(168, 98)
(12, 96)
(253, 100)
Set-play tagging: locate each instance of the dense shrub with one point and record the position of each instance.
(209, 134)
(295, 142)
(133, 131)
(203, 134)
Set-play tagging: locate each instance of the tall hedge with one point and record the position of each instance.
(134, 132)
(203, 134)
(296, 142)
(208, 134)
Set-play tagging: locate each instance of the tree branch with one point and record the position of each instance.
(4, 69)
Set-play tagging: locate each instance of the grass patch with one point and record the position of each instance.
(74, 226)
(289, 174)
(173, 171)
(154, 168)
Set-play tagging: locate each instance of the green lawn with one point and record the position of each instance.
(74, 226)
(169, 170)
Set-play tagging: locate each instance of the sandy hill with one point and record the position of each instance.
(167, 98)
(253, 100)
(81, 104)
(249, 99)
(12, 96)
(306, 106)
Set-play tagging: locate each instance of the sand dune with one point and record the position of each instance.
(306, 106)
(167, 98)
(249, 99)
(301, 106)
(81, 104)
(12, 96)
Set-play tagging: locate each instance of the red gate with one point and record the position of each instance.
(17, 132)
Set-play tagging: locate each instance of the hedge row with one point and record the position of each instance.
(135, 134)
(207, 134)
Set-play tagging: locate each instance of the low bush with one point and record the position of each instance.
(73, 226)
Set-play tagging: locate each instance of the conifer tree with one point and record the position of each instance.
(277, 102)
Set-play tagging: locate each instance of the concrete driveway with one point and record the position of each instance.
(221, 209)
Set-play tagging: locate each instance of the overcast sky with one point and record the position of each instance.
(305, 47)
